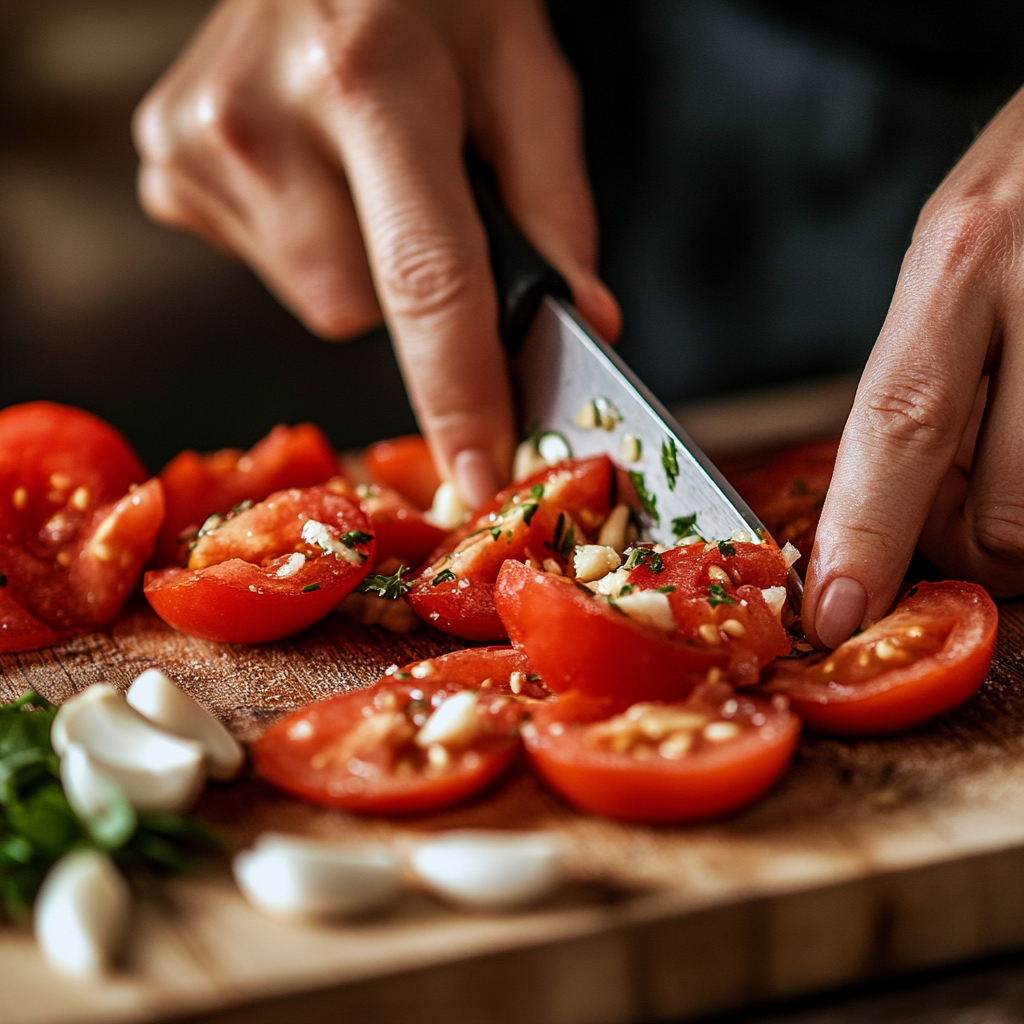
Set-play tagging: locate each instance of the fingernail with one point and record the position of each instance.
(840, 611)
(474, 477)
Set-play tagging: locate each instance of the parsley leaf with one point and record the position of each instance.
(717, 595)
(564, 541)
(495, 532)
(638, 556)
(685, 526)
(354, 537)
(670, 461)
(529, 510)
(310, 587)
(669, 588)
(537, 491)
(726, 548)
(392, 587)
(444, 576)
(648, 501)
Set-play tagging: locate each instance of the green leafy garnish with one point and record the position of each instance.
(310, 587)
(529, 510)
(537, 492)
(392, 587)
(726, 548)
(638, 556)
(495, 532)
(444, 576)
(717, 595)
(669, 588)
(648, 501)
(627, 589)
(670, 461)
(564, 541)
(354, 537)
(242, 506)
(685, 526)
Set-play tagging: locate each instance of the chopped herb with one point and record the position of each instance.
(444, 576)
(354, 537)
(391, 587)
(685, 526)
(799, 486)
(564, 540)
(670, 461)
(529, 510)
(726, 548)
(310, 587)
(533, 677)
(401, 675)
(912, 591)
(210, 524)
(717, 595)
(3, 579)
(669, 588)
(495, 532)
(627, 589)
(242, 506)
(648, 501)
(537, 491)
(638, 556)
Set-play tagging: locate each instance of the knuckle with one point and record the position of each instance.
(911, 411)
(358, 53)
(999, 530)
(963, 240)
(161, 199)
(423, 275)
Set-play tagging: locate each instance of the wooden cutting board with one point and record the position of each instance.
(870, 858)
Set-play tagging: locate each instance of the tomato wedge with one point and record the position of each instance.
(265, 572)
(578, 641)
(662, 762)
(20, 631)
(930, 654)
(540, 518)
(72, 542)
(358, 751)
(404, 464)
(197, 485)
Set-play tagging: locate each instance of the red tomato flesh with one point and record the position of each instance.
(539, 518)
(357, 751)
(404, 464)
(20, 631)
(930, 654)
(662, 762)
(197, 485)
(256, 577)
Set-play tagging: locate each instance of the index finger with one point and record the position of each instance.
(908, 418)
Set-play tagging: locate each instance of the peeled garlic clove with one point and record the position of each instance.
(81, 913)
(297, 877)
(157, 771)
(154, 695)
(490, 870)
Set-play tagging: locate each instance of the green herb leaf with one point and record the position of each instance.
(669, 588)
(726, 548)
(354, 537)
(648, 501)
(529, 510)
(639, 556)
(670, 461)
(685, 526)
(310, 587)
(717, 595)
(392, 587)
(495, 532)
(537, 492)
(242, 506)
(564, 540)
(626, 588)
(444, 576)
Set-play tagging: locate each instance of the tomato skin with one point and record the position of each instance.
(293, 753)
(579, 643)
(657, 790)
(960, 620)
(235, 600)
(404, 464)
(20, 631)
(577, 490)
(199, 485)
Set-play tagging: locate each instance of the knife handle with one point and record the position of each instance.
(521, 275)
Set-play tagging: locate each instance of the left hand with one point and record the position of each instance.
(933, 452)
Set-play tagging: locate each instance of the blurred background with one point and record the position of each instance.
(758, 170)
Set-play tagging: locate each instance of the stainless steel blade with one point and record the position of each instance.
(562, 366)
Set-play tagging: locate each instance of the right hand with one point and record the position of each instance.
(321, 141)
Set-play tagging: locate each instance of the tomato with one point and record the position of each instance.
(578, 641)
(72, 542)
(537, 520)
(199, 485)
(716, 597)
(20, 631)
(404, 464)
(357, 751)
(928, 655)
(662, 762)
(786, 489)
(265, 572)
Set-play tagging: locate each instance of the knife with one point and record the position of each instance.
(569, 382)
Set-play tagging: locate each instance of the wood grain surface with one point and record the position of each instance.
(870, 858)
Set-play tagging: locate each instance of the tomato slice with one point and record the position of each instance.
(578, 641)
(787, 488)
(268, 571)
(72, 543)
(197, 485)
(20, 631)
(930, 654)
(358, 752)
(404, 464)
(537, 519)
(662, 762)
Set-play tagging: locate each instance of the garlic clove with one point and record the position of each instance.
(490, 870)
(292, 876)
(157, 697)
(81, 914)
(158, 772)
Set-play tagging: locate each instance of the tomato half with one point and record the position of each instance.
(538, 519)
(268, 571)
(404, 464)
(72, 542)
(930, 654)
(197, 485)
(358, 751)
(662, 762)
(578, 641)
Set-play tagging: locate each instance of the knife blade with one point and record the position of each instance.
(569, 381)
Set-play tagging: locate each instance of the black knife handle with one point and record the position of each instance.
(522, 276)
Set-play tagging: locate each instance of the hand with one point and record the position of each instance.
(321, 141)
(934, 447)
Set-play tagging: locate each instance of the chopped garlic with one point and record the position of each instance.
(295, 562)
(630, 448)
(527, 460)
(448, 509)
(790, 554)
(454, 723)
(321, 537)
(649, 607)
(553, 447)
(613, 532)
(600, 412)
(719, 732)
(610, 585)
(594, 561)
(775, 598)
